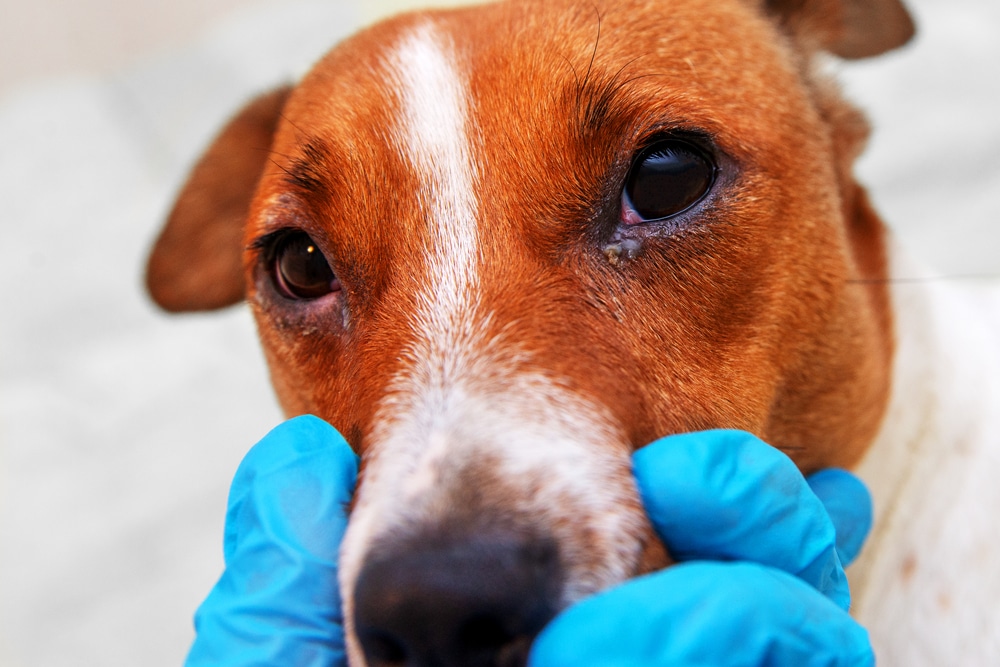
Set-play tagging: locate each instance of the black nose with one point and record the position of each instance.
(455, 603)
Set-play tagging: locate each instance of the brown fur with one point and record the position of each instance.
(768, 312)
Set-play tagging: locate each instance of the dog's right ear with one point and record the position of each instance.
(848, 28)
(197, 261)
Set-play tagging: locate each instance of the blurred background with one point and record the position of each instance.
(120, 427)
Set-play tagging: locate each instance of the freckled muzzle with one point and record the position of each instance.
(459, 579)
(467, 538)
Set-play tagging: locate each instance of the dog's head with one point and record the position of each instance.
(501, 247)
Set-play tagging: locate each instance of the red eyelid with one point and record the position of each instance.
(629, 215)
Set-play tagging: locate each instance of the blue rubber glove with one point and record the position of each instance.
(763, 582)
(278, 602)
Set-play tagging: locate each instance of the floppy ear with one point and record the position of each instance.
(197, 261)
(847, 28)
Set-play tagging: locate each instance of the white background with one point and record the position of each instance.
(120, 427)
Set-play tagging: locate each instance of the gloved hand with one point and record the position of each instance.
(278, 602)
(761, 580)
(717, 495)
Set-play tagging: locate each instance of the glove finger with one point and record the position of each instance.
(278, 601)
(726, 495)
(702, 613)
(849, 505)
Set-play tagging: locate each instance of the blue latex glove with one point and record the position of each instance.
(278, 602)
(763, 582)
(713, 495)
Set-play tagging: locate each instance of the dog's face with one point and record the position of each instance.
(502, 247)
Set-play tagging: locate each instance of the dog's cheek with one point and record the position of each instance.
(654, 554)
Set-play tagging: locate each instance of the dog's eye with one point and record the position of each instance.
(299, 269)
(666, 179)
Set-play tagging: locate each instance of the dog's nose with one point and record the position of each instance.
(470, 603)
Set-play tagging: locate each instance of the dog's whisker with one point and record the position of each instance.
(597, 43)
(903, 280)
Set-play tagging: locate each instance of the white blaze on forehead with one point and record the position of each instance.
(434, 140)
(447, 336)
(462, 396)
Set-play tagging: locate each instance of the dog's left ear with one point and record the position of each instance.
(847, 28)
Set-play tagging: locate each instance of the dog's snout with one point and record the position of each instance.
(469, 603)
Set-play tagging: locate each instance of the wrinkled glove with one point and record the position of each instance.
(761, 582)
(278, 602)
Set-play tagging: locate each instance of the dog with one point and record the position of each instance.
(500, 247)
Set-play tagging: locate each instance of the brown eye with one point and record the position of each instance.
(299, 269)
(666, 179)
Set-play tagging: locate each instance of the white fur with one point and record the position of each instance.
(466, 401)
(434, 104)
(928, 584)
